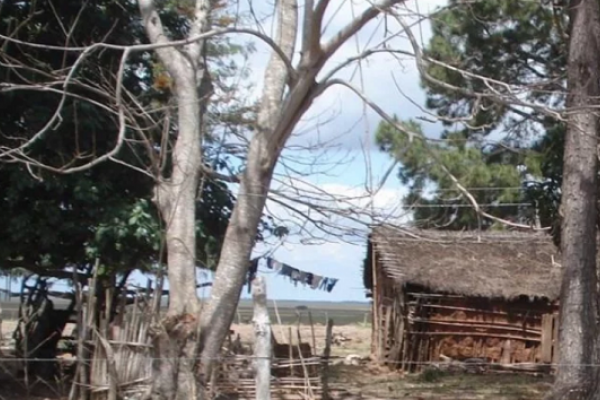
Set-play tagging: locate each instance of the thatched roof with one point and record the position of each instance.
(489, 264)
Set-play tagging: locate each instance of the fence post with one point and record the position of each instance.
(326, 360)
(262, 343)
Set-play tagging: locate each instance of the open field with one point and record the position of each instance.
(342, 313)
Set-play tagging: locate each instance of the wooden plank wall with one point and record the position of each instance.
(413, 327)
(388, 310)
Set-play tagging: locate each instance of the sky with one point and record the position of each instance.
(339, 120)
(334, 151)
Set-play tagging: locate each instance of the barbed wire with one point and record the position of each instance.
(465, 205)
(472, 361)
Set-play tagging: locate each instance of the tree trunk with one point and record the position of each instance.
(578, 308)
(279, 112)
(175, 340)
(255, 181)
(235, 253)
(262, 340)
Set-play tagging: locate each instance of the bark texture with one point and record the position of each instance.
(174, 338)
(575, 377)
(255, 181)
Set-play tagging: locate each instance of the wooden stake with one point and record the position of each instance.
(278, 318)
(326, 357)
(312, 331)
(291, 351)
(304, 368)
(262, 345)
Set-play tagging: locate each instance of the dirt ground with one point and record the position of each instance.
(365, 381)
(352, 339)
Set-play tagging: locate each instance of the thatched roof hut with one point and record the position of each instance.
(491, 295)
(488, 264)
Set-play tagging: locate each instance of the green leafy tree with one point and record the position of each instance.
(510, 41)
(53, 222)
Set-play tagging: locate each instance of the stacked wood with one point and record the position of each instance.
(414, 328)
(115, 359)
(236, 377)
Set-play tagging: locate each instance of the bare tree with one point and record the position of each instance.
(289, 90)
(287, 94)
(175, 196)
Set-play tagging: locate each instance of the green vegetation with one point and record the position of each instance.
(507, 154)
(52, 222)
(494, 176)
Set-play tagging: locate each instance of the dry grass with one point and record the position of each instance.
(374, 383)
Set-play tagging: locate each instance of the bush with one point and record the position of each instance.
(431, 375)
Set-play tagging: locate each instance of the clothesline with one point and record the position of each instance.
(314, 281)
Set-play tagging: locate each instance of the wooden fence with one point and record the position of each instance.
(120, 356)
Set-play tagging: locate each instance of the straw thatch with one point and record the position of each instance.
(489, 264)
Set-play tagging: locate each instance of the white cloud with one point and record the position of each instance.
(332, 255)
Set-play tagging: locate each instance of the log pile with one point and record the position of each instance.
(414, 328)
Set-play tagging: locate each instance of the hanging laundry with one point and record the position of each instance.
(330, 284)
(324, 283)
(274, 264)
(286, 270)
(296, 276)
(309, 278)
(316, 281)
(302, 277)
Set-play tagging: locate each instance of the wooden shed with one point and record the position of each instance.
(462, 295)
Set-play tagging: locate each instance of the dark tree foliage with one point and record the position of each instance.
(494, 178)
(53, 221)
